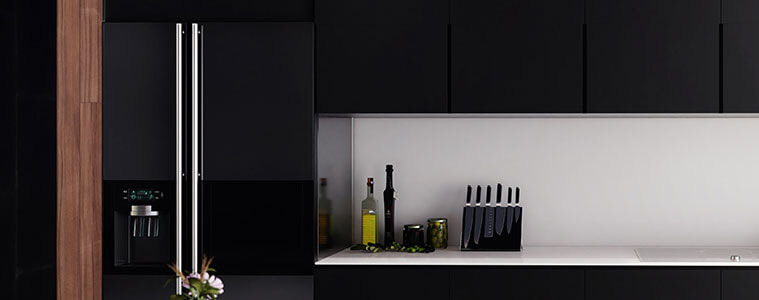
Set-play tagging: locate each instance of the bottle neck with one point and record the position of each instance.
(389, 181)
(323, 192)
(369, 191)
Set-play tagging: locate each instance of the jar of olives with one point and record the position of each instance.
(437, 232)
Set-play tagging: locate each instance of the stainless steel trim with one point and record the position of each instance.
(178, 150)
(195, 175)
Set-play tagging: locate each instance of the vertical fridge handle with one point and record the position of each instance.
(195, 174)
(178, 193)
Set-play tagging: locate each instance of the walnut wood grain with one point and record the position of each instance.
(79, 154)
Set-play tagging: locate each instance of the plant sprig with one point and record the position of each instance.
(392, 247)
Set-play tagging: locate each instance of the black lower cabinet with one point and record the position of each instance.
(669, 284)
(381, 283)
(480, 283)
(740, 284)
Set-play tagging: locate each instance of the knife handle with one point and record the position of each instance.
(517, 196)
(509, 196)
(487, 195)
(468, 194)
(498, 189)
(479, 194)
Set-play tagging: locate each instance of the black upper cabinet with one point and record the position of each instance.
(740, 56)
(381, 68)
(208, 10)
(381, 12)
(655, 284)
(517, 56)
(145, 10)
(653, 56)
(740, 67)
(517, 68)
(535, 284)
(740, 11)
(139, 97)
(253, 10)
(493, 12)
(740, 284)
(257, 117)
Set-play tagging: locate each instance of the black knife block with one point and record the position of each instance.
(504, 242)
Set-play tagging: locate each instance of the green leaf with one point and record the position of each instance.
(211, 270)
(359, 247)
(178, 297)
(165, 284)
(212, 291)
(196, 284)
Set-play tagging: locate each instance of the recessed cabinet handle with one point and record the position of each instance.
(178, 152)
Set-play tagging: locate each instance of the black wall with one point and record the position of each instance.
(27, 148)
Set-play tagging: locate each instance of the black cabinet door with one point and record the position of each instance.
(139, 101)
(381, 12)
(380, 283)
(653, 56)
(664, 284)
(381, 69)
(257, 103)
(517, 68)
(145, 10)
(533, 283)
(252, 10)
(740, 67)
(740, 284)
(517, 56)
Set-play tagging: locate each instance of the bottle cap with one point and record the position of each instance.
(389, 168)
(369, 181)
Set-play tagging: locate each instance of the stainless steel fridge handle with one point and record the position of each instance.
(178, 193)
(195, 174)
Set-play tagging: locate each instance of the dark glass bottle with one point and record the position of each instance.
(389, 197)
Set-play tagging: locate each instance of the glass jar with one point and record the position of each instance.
(437, 233)
(413, 235)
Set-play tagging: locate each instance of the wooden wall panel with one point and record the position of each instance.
(79, 150)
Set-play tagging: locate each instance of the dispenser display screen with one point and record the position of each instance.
(141, 194)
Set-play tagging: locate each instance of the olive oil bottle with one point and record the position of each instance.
(369, 215)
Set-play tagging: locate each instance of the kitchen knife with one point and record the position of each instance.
(500, 211)
(518, 208)
(489, 215)
(478, 214)
(468, 216)
(509, 213)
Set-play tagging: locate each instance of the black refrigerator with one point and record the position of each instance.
(208, 147)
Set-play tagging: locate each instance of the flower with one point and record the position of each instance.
(213, 281)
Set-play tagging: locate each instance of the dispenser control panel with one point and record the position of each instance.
(141, 194)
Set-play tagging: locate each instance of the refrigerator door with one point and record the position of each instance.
(143, 95)
(257, 147)
(257, 117)
(139, 107)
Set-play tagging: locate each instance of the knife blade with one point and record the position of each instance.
(478, 214)
(518, 208)
(500, 210)
(468, 216)
(489, 214)
(509, 213)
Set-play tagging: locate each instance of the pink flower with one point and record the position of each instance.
(212, 280)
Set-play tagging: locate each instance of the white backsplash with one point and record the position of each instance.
(584, 181)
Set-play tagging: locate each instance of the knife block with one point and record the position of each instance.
(506, 241)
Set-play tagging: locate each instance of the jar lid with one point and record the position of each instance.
(438, 220)
(412, 226)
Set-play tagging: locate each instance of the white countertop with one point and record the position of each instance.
(533, 256)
